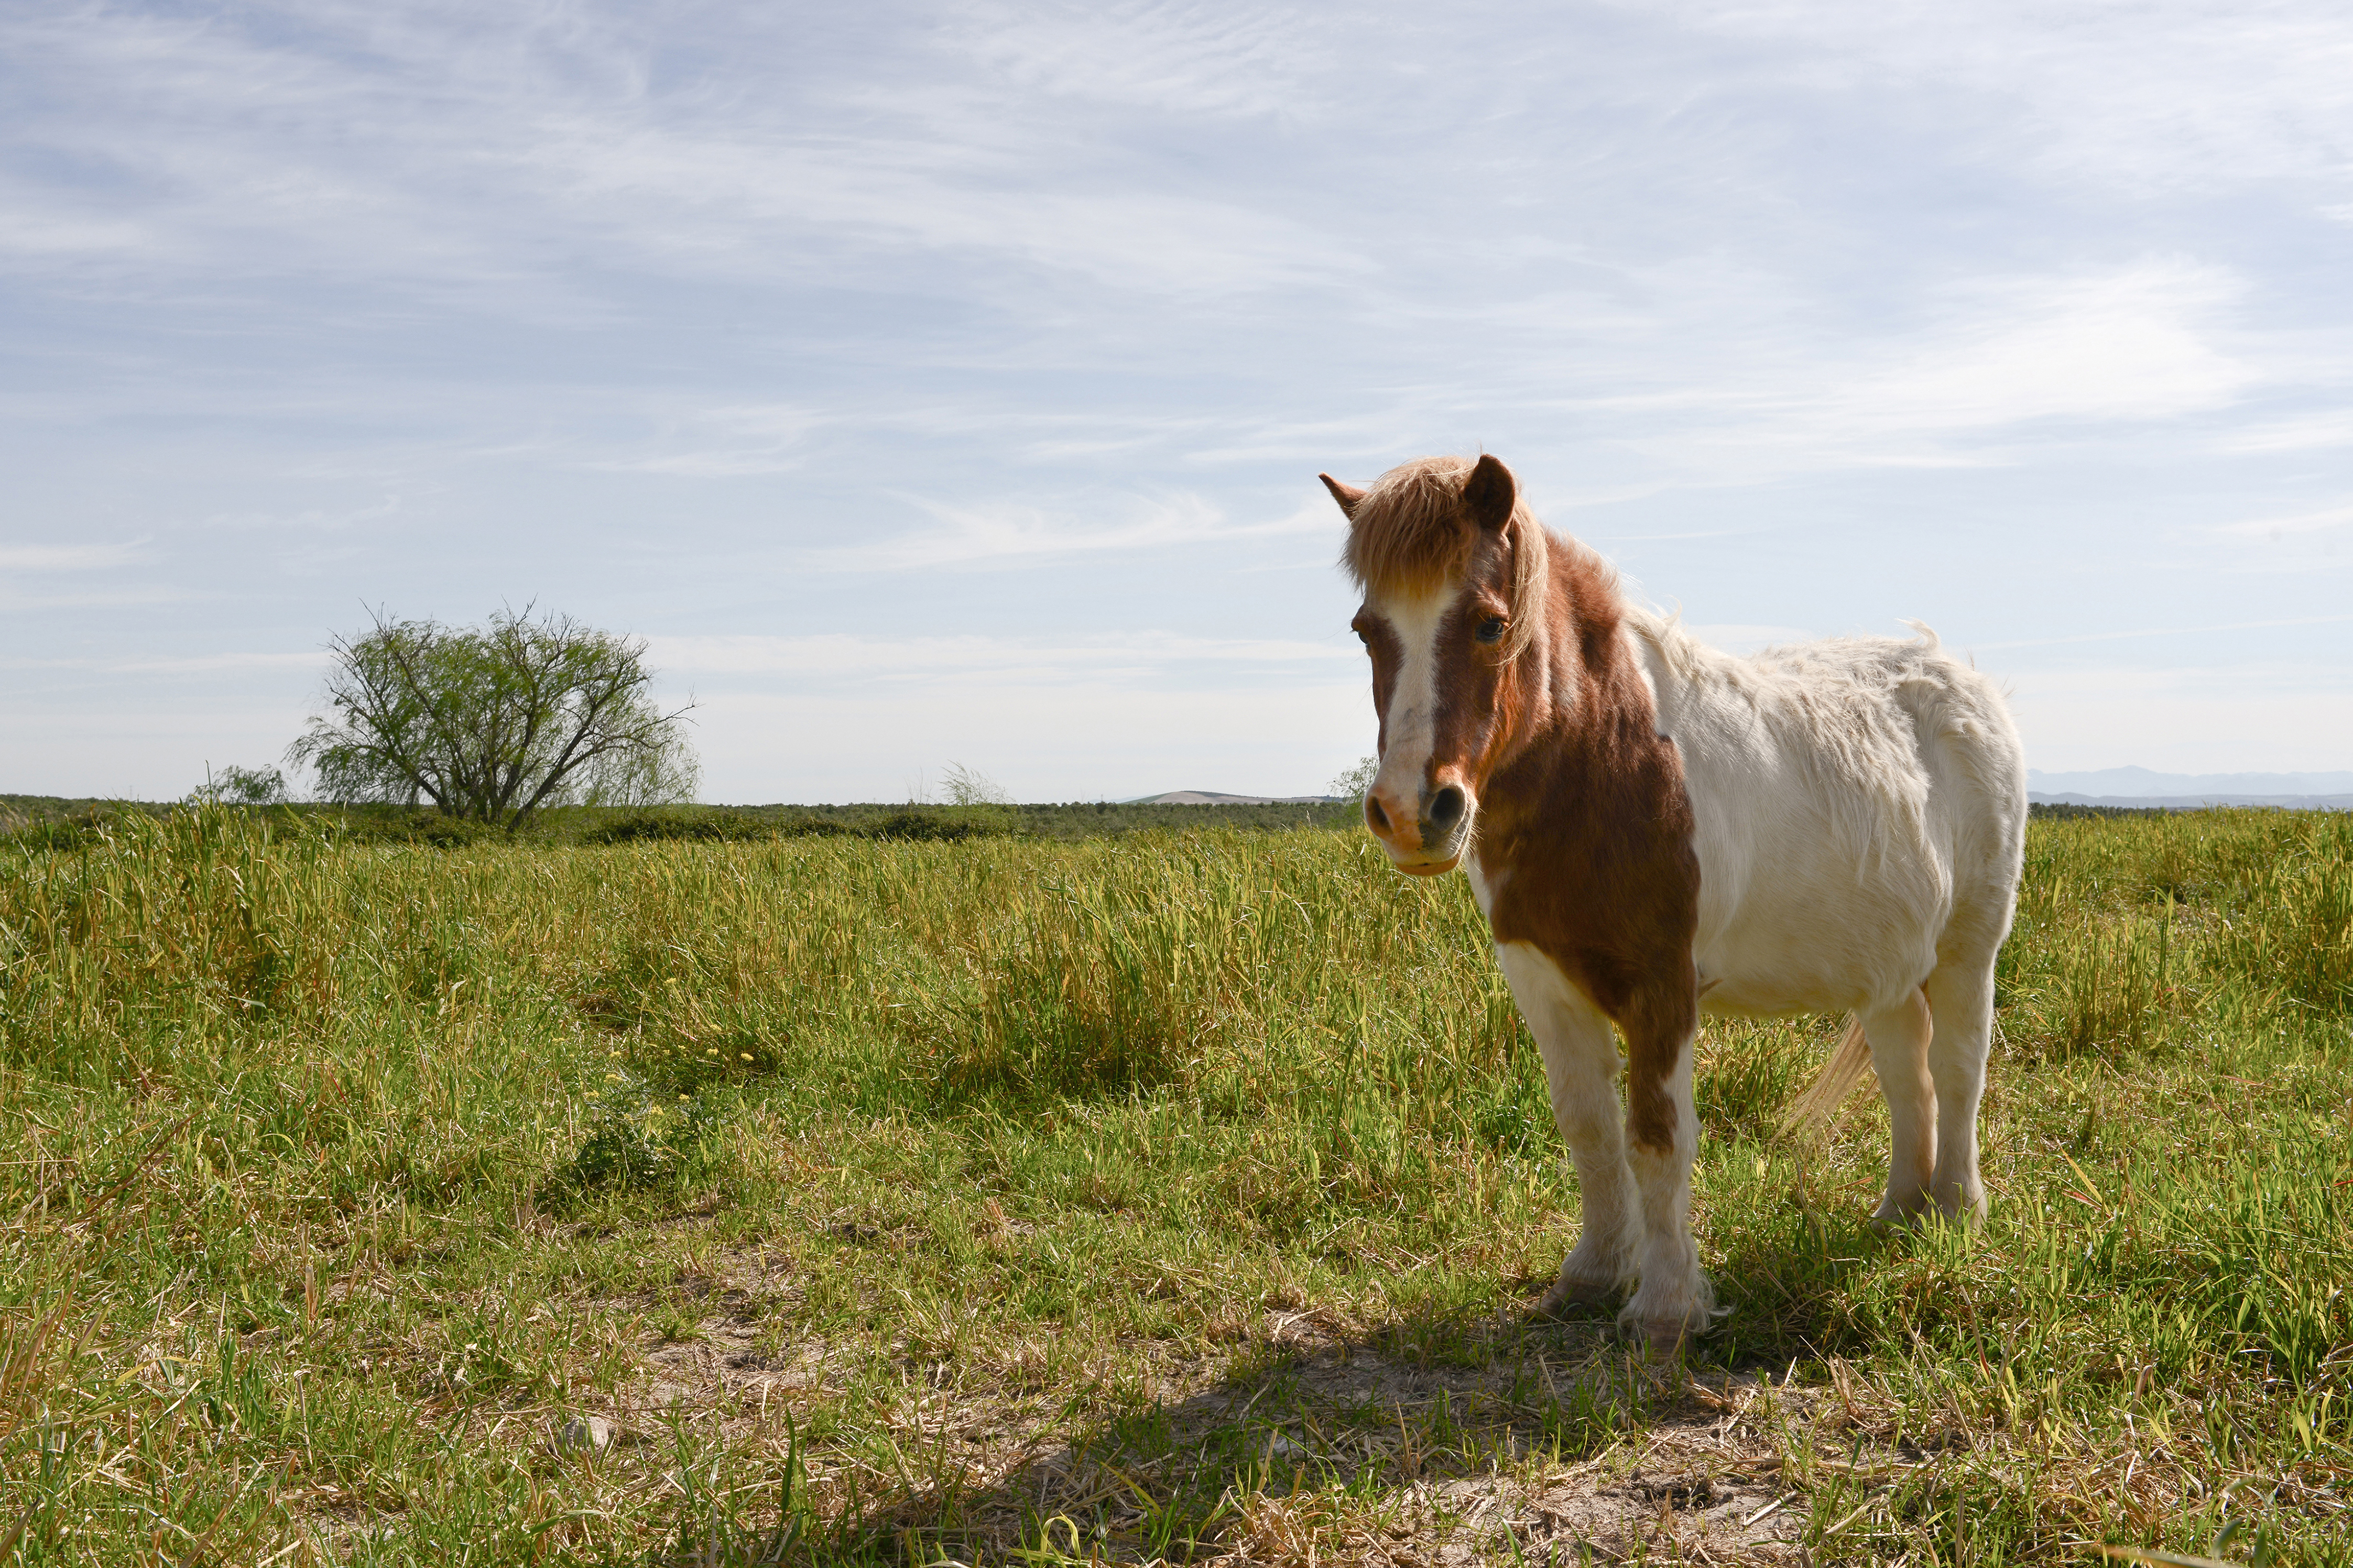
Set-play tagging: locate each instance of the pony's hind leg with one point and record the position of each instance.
(1899, 1036)
(1961, 994)
(1581, 1058)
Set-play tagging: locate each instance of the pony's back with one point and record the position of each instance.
(1852, 798)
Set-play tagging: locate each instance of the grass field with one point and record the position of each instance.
(1164, 1196)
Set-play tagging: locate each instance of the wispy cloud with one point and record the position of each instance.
(2135, 345)
(725, 203)
(840, 655)
(2163, 632)
(2311, 545)
(70, 557)
(726, 443)
(1183, 60)
(2309, 433)
(499, 145)
(970, 536)
(1996, 358)
(2151, 98)
(311, 520)
(194, 664)
(217, 663)
(2302, 523)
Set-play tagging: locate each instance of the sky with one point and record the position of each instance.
(947, 383)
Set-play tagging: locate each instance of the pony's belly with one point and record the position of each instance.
(1770, 999)
(1787, 968)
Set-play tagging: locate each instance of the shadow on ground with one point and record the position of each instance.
(1447, 1438)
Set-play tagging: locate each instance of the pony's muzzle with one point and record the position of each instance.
(1425, 836)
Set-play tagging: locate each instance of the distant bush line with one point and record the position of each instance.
(935, 825)
(49, 822)
(52, 823)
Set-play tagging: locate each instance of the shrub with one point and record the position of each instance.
(638, 1139)
(240, 786)
(412, 825)
(654, 826)
(63, 833)
(946, 825)
(813, 827)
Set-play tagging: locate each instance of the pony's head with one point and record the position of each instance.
(1454, 571)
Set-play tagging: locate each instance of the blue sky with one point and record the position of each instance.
(949, 382)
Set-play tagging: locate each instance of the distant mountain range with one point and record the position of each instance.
(1211, 797)
(2144, 787)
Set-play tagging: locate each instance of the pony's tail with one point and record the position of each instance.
(1848, 1065)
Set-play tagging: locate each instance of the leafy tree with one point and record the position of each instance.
(241, 786)
(1352, 784)
(494, 724)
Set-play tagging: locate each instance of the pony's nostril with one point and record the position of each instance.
(1375, 817)
(1446, 807)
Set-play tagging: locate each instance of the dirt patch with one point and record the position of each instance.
(1303, 1441)
(1704, 1483)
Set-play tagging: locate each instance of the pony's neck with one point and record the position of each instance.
(1586, 619)
(1590, 777)
(1578, 674)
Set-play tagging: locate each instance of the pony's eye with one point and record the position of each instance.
(1490, 630)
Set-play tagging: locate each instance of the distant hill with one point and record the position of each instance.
(2145, 780)
(2147, 788)
(2195, 802)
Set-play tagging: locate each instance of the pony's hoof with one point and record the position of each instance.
(1886, 1223)
(1661, 1339)
(1968, 1214)
(1567, 1296)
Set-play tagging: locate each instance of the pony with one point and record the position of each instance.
(1653, 828)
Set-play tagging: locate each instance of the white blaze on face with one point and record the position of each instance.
(1412, 722)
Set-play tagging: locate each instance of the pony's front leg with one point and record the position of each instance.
(1581, 1058)
(1675, 1299)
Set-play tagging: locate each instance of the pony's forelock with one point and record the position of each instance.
(1409, 535)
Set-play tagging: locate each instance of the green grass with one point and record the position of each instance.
(1150, 1196)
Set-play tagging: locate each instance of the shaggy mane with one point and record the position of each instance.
(1409, 535)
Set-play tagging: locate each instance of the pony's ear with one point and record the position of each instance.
(1489, 494)
(1348, 496)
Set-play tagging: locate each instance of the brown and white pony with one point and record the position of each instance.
(1652, 828)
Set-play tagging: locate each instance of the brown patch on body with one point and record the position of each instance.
(1584, 827)
(1590, 815)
